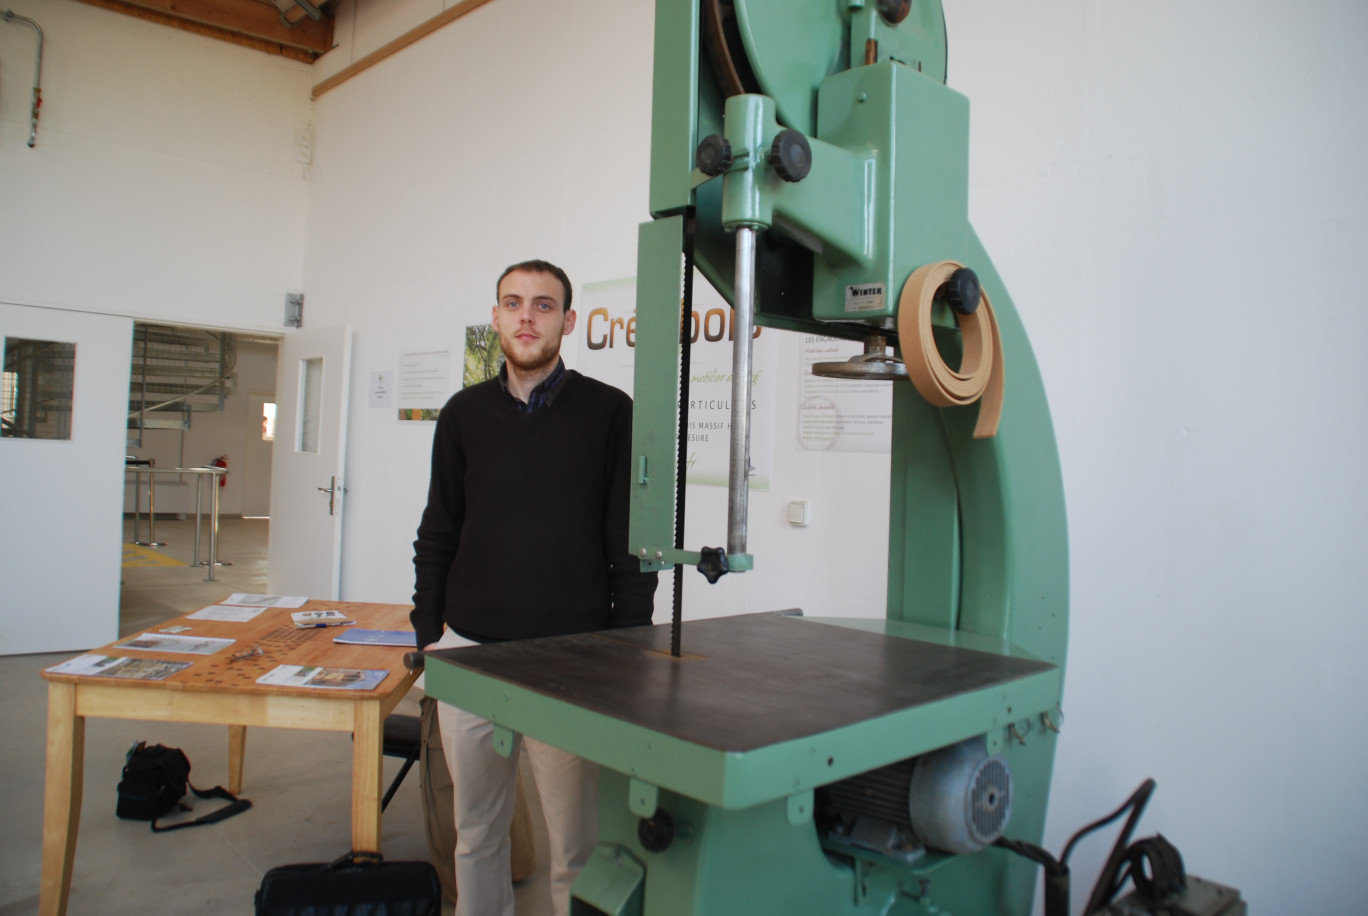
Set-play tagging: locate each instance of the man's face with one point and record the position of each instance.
(530, 319)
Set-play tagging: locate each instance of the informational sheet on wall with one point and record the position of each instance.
(382, 388)
(607, 342)
(426, 381)
(841, 415)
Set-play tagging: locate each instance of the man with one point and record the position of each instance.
(524, 535)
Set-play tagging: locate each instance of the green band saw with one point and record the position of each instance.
(810, 162)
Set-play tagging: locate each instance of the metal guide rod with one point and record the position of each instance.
(743, 327)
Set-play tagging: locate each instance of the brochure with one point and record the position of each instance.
(167, 642)
(245, 600)
(143, 669)
(337, 678)
(225, 612)
(406, 638)
(306, 619)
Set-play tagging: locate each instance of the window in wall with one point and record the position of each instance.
(310, 404)
(35, 396)
(9, 391)
(268, 417)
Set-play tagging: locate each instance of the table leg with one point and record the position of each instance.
(367, 742)
(61, 796)
(237, 748)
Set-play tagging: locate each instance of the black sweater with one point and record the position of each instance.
(525, 530)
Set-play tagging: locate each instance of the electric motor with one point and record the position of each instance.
(957, 799)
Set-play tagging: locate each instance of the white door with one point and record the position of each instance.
(61, 499)
(309, 463)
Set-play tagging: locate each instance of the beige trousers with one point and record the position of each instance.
(483, 787)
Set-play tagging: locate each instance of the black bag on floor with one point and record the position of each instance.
(155, 780)
(358, 884)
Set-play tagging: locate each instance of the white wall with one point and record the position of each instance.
(166, 185)
(1173, 195)
(167, 180)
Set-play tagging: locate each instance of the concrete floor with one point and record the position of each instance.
(298, 781)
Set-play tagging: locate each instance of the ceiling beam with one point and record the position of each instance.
(250, 23)
(417, 33)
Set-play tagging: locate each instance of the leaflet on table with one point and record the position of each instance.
(142, 669)
(167, 642)
(245, 600)
(226, 612)
(302, 676)
(306, 619)
(378, 638)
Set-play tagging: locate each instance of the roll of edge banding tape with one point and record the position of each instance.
(980, 375)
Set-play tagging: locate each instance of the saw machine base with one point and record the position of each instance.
(728, 744)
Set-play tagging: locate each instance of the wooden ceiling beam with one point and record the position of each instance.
(417, 33)
(249, 23)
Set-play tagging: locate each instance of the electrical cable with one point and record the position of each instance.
(1165, 865)
(1057, 879)
(1140, 796)
(1108, 882)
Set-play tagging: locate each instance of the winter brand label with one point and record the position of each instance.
(866, 297)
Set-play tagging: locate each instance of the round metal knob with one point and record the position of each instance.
(790, 155)
(714, 155)
(657, 832)
(895, 11)
(961, 292)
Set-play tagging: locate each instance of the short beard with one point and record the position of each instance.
(545, 357)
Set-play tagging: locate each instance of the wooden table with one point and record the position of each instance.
(218, 689)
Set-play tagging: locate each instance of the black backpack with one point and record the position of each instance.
(155, 780)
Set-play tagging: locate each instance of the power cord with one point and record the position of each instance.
(1153, 865)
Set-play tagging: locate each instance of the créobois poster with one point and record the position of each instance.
(607, 343)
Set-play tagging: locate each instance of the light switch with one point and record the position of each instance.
(798, 513)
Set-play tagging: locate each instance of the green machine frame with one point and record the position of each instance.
(972, 642)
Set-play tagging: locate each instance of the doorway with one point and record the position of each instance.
(160, 578)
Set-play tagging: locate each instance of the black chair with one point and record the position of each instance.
(403, 738)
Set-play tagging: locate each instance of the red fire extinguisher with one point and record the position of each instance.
(221, 462)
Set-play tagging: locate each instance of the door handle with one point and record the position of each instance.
(332, 489)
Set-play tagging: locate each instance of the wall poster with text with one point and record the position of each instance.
(607, 341)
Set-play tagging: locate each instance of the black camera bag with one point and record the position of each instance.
(155, 780)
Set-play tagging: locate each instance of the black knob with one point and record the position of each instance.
(895, 11)
(712, 563)
(790, 156)
(714, 155)
(657, 832)
(961, 292)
